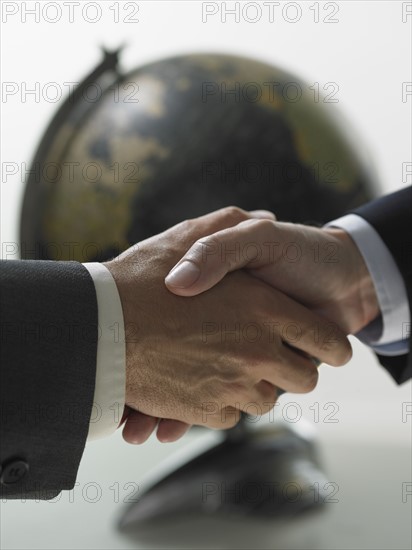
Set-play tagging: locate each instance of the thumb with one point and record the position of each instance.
(201, 268)
(209, 259)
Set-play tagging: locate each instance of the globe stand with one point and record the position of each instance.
(270, 471)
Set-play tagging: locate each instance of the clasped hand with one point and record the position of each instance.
(265, 316)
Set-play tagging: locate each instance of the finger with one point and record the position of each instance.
(315, 361)
(291, 372)
(126, 412)
(171, 430)
(218, 220)
(138, 427)
(266, 395)
(230, 216)
(229, 417)
(307, 331)
(225, 418)
(249, 243)
(262, 214)
(253, 399)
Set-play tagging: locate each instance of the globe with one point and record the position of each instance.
(129, 155)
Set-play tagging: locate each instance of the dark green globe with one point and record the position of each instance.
(127, 156)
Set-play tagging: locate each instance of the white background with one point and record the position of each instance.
(368, 54)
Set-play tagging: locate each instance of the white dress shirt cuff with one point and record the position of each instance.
(109, 393)
(387, 335)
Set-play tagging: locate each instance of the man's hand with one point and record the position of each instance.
(204, 360)
(321, 268)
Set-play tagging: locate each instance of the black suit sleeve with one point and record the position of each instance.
(391, 217)
(48, 366)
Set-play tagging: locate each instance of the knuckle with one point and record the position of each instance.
(213, 422)
(226, 418)
(263, 225)
(185, 227)
(186, 224)
(230, 417)
(205, 247)
(255, 361)
(266, 405)
(235, 388)
(232, 375)
(268, 393)
(234, 213)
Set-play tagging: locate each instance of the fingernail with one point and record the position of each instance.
(183, 275)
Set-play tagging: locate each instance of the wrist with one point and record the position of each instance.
(361, 301)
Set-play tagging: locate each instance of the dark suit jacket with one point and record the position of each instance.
(47, 376)
(391, 216)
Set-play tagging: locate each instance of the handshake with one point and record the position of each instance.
(226, 309)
